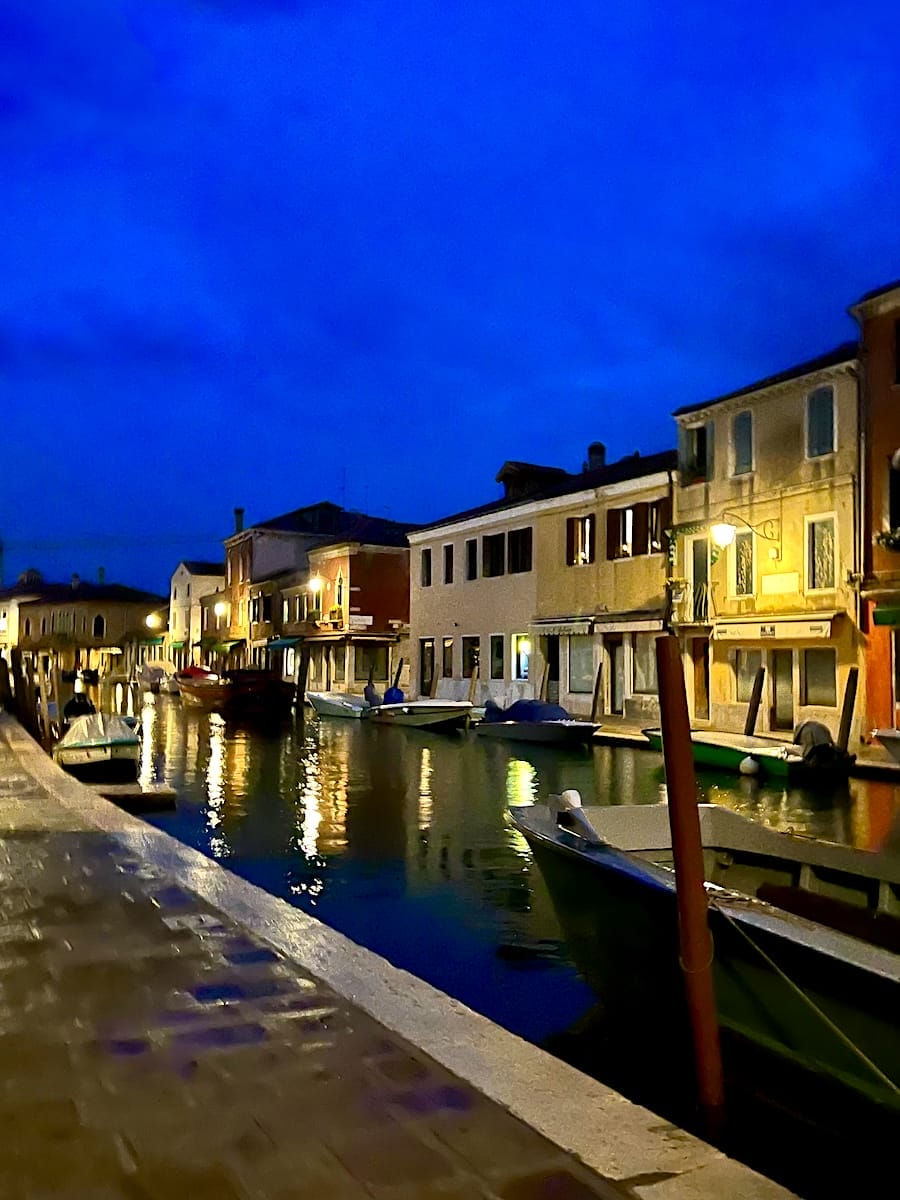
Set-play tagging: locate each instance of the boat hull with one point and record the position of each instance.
(725, 752)
(338, 704)
(433, 715)
(619, 915)
(890, 739)
(548, 733)
(252, 695)
(99, 747)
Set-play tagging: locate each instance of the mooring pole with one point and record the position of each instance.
(843, 737)
(695, 939)
(755, 697)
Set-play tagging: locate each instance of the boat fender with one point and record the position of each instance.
(571, 816)
(748, 766)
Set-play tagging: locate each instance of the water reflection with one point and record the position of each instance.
(399, 839)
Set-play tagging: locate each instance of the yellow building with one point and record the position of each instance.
(765, 550)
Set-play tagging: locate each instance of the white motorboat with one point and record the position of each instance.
(438, 715)
(890, 739)
(338, 704)
(101, 746)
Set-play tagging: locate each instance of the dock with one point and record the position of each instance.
(137, 798)
(172, 1030)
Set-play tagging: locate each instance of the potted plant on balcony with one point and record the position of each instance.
(888, 538)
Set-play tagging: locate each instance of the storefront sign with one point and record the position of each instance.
(794, 631)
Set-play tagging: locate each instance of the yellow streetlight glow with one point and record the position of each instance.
(315, 584)
(722, 534)
(220, 609)
(153, 621)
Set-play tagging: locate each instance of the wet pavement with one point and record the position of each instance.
(151, 1046)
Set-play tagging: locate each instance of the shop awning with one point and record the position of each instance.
(155, 641)
(227, 647)
(795, 627)
(177, 645)
(282, 643)
(886, 614)
(561, 626)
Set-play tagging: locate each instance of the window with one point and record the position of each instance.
(266, 607)
(339, 591)
(644, 659)
(742, 442)
(493, 555)
(448, 564)
(285, 611)
(519, 549)
(743, 563)
(581, 663)
(28, 627)
(893, 491)
(3, 621)
(174, 593)
(620, 532)
(521, 646)
(187, 592)
(819, 678)
(426, 664)
(373, 659)
(897, 352)
(339, 665)
(820, 422)
(580, 540)
(99, 626)
(695, 452)
(472, 558)
(497, 664)
(448, 658)
(820, 553)
(426, 568)
(659, 518)
(746, 664)
(471, 655)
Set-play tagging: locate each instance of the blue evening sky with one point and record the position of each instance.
(266, 252)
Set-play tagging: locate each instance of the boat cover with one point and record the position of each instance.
(525, 710)
(98, 729)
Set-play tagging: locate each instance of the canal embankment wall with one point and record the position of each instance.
(624, 1143)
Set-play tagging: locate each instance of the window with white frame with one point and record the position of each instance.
(819, 677)
(581, 663)
(580, 539)
(743, 563)
(746, 664)
(820, 553)
(521, 647)
(695, 452)
(820, 422)
(644, 659)
(285, 610)
(742, 443)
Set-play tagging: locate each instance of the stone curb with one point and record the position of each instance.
(621, 1141)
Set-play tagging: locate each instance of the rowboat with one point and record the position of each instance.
(749, 754)
(338, 704)
(806, 939)
(534, 721)
(890, 739)
(99, 746)
(439, 716)
(238, 693)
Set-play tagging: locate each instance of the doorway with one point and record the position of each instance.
(616, 650)
(700, 659)
(782, 689)
(553, 669)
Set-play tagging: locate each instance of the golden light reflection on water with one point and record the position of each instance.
(215, 788)
(521, 782)
(148, 721)
(426, 800)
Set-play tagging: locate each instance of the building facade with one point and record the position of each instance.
(765, 549)
(878, 314)
(190, 582)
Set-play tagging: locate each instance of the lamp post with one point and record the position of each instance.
(724, 531)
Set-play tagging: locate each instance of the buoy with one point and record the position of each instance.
(748, 766)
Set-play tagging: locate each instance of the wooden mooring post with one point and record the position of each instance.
(694, 935)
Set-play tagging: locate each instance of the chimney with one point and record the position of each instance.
(238, 520)
(101, 575)
(596, 456)
(76, 580)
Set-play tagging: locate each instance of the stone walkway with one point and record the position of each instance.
(152, 1048)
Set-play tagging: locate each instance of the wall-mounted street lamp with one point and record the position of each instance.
(723, 532)
(221, 608)
(153, 620)
(316, 584)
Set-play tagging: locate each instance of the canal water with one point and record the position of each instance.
(398, 839)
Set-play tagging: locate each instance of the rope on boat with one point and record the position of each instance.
(836, 1030)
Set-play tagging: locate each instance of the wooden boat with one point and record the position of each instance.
(244, 692)
(338, 704)
(890, 739)
(535, 721)
(440, 716)
(806, 937)
(99, 746)
(749, 754)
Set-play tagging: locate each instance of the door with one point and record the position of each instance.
(553, 669)
(782, 689)
(616, 650)
(699, 579)
(700, 659)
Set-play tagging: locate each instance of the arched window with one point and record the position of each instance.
(99, 626)
(339, 591)
(28, 627)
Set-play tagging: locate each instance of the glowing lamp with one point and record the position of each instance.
(722, 534)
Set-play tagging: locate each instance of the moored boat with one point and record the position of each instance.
(99, 746)
(799, 761)
(244, 692)
(441, 716)
(338, 704)
(806, 941)
(535, 721)
(890, 739)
